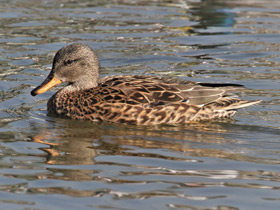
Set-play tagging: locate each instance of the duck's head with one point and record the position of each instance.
(75, 64)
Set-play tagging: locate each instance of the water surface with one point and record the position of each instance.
(51, 163)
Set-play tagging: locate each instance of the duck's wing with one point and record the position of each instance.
(139, 89)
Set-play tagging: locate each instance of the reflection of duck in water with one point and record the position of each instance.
(82, 143)
(131, 99)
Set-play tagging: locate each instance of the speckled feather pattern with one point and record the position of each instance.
(143, 100)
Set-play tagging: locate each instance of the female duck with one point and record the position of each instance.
(131, 99)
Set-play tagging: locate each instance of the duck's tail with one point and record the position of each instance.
(228, 103)
(223, 108)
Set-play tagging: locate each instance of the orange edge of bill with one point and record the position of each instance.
(44, 87)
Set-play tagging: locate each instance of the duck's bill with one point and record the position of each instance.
(50, 82)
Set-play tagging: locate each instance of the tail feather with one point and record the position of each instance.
(228, 87)
(228, 103)
(222, 108)
(241, 104)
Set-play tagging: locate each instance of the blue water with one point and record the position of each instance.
(51, 163)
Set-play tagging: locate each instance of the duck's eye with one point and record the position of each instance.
(68, 62)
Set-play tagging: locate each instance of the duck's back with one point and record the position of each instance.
(139, 89)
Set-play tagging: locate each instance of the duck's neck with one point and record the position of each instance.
(82, 85)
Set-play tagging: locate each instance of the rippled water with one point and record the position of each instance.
(50, 163)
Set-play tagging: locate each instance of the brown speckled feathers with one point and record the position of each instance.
(132, 99)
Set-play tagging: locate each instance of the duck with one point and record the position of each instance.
(131, 99)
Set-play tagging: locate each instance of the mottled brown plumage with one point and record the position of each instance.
(131, 99)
